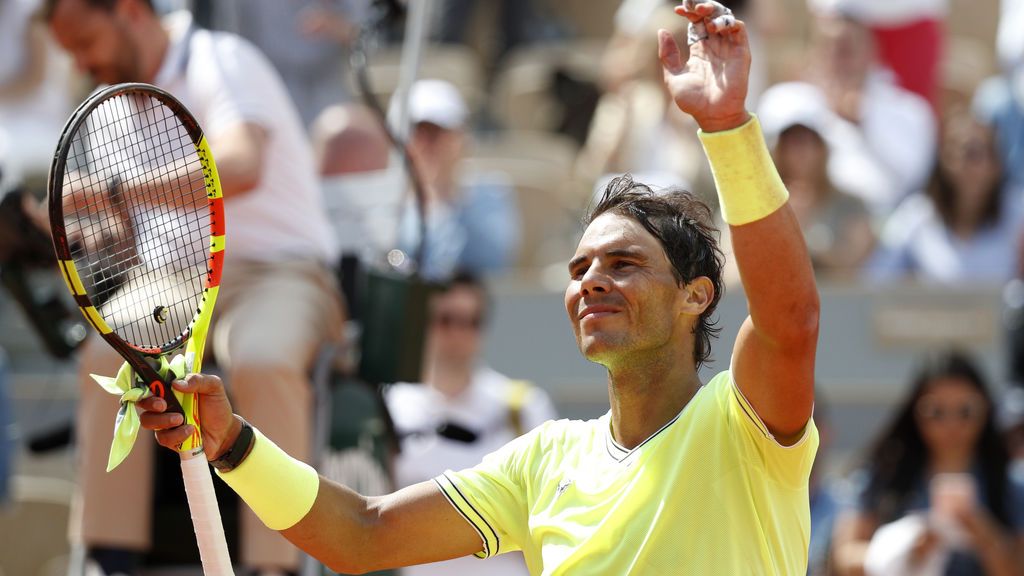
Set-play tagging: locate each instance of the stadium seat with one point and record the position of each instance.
(32, 527)
(539, 165)
(523, 96)
(457, 64)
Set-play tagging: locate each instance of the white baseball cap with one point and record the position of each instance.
(792, 104)
(437, 102)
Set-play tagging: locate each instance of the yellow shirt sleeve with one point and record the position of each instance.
(788, 465)
(491, 496)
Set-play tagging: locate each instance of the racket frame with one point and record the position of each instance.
(199, 490)
(143, 360)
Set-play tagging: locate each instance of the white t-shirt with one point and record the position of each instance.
(1009, 40)
(223, 80)
(483, 408)
(887, 12)
(916, 243)
(30, 124)
(889, 154)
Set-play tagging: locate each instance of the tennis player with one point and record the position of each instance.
(679, 477)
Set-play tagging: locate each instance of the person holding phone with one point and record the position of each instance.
(941, 457)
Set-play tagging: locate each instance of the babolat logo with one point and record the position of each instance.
(563, 485)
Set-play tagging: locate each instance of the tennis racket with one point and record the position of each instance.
(138, 227)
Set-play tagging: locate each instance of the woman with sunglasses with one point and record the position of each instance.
(965, 227)
(945, 428)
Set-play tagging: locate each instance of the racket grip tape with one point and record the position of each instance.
(202, 504)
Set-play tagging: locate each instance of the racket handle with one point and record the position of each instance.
(202, 503)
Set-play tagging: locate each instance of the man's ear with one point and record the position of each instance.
(697, 296)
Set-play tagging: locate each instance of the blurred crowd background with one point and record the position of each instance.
(897, 125)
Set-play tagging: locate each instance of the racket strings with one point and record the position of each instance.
(139, 219)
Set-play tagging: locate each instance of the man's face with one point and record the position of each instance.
(456, 324)
(98, 40)
(846, 47)
(623, 299)
(436, 150)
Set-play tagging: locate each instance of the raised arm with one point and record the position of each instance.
(349, 533)
(773, 361)
(238, 152)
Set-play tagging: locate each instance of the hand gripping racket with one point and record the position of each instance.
(138, 226)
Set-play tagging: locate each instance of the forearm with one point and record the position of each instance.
(240, 152)
(238, 156)
(348, 532)
(353, 534)
(289, 496)
(999, 556)
(768, 244)
(337, 530)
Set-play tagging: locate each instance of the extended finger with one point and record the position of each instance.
(697, 11)
(153, 404)
(174, 437)
(157, 421)
(694, 11)
(200, 384)
(668, 52)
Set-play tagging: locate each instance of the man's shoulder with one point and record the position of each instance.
(566, 434)
(720, 385)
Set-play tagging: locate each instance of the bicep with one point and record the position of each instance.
(352, 533)
(777, 380)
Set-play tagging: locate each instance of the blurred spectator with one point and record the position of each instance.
(515, 22)
(362, 195)
(882, 137)
(472, 221)
(35, 91)
(964, 227)
(824, 497)
(6, 434)
(1011, 421)
(945, 426)
(462, 411)
(278, 302)
(307, 41)
(636, 127)
(836, 225)
(628, 51)
(909, 35)
(1000, 100)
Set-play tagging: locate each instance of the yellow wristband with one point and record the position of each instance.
(749, 187)
(279, 489)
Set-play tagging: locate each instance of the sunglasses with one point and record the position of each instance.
(448, 320)
(963, 413)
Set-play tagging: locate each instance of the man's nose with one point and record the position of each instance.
(594, 281)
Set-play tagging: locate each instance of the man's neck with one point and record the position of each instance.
(645, 398)
(449, 379)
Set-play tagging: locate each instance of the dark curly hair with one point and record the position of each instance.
(898, 457)
(683, 226)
